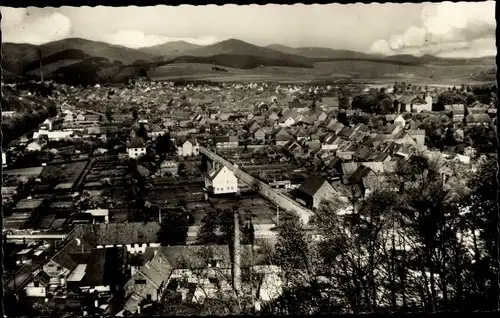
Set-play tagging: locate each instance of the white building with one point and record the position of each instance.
(4, 159)
(221, 180)
(136, 148)
(53, 135)
(189, 148)
(400, 121)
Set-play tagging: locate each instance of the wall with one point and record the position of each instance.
(136, 152)
(32, 291)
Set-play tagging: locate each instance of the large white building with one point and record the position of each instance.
(188, 148)
(221, 180)
(136, 148)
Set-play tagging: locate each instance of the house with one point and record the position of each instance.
(416, 104)
(149, 281)
(169, 167)
(99, 214)
(259, 134)
(34, 146)
(478, 120)
(47, 124)
(294, 148)
(314, 190)
(273, 117)
(281, 137)
(302, 135)
(196, 273)
(418, 135)
(155, 132)
(400, 121)
(80, 117)
(221, 180)
(226, 142)
(393, 129)
(53, 135)
(136, 148)
(189, 148)
(288, 118)
(4, 159)
(78, 267)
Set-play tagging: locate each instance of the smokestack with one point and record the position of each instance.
(41, 70)
(237, 256)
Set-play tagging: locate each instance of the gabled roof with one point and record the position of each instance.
(214, 173)
(312, 185)
(136, 142)
(348, 168)
(282, 135)
(71, 254)
(288, 114)
(226, 139)
(478, 118)
(101, 267)
(364, 153)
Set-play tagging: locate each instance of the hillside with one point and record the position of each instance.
(234, 47)
(23, 58)
(170, 49)
(240, 61)
(75, 60)
(320, 52)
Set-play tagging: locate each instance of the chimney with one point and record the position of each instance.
(41, 70)
(237, 256)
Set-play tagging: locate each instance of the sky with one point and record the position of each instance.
(444, 29)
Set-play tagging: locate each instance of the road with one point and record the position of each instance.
(266, 191)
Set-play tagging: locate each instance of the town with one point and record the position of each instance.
(165, 195)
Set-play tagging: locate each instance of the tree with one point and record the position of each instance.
(174, 228)
(142, 132)
(109, 114)
(164, 144)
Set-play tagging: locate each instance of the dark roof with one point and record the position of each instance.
(359, 174)
(95, 270)
(312, 185)
(226, 139)
(364, 153)
(136, 142)
(71, 254)
(117, 233)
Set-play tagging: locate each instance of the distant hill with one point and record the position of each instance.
(240, 61)
(234, 47)
(170, 49)
(319, 52)
(77, 60)
(23, 58)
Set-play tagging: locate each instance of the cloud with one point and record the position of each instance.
(12, 16)
(137, 39)
(448, 30)
(19, 26)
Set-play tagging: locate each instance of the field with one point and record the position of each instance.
(356, 71)
(64, 173)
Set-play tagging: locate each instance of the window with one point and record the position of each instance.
(148, 297)
(140, 282)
